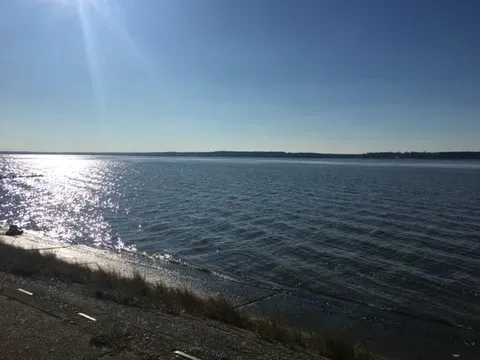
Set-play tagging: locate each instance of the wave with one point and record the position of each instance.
(20, 176)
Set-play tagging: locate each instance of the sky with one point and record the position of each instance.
(200, 75)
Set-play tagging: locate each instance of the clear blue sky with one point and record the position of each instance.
(187, 75)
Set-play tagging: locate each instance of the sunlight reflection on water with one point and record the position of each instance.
(67, 202)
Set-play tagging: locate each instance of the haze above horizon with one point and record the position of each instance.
(263, 75)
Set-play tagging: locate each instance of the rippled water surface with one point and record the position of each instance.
(398, 235)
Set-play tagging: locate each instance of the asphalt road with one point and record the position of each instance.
(43, 322)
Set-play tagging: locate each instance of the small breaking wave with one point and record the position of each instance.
(166, 257)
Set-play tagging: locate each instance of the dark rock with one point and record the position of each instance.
(13, 230)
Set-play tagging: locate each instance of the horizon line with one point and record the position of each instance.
(245, 153)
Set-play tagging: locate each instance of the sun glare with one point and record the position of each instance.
(85, 9)
(103, 24)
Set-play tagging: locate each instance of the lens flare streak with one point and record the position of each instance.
(91, 53)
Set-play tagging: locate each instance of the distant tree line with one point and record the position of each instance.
(447, 155)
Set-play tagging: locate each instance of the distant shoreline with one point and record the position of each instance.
(447, 155)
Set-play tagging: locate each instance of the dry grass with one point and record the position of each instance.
(136, 291)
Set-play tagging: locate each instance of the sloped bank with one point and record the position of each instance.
(136, 290)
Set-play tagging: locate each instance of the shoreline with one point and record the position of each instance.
(137, 291)
(378, 331)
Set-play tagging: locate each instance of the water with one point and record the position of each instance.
(396, 235)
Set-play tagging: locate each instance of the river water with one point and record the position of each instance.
(403, 236)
